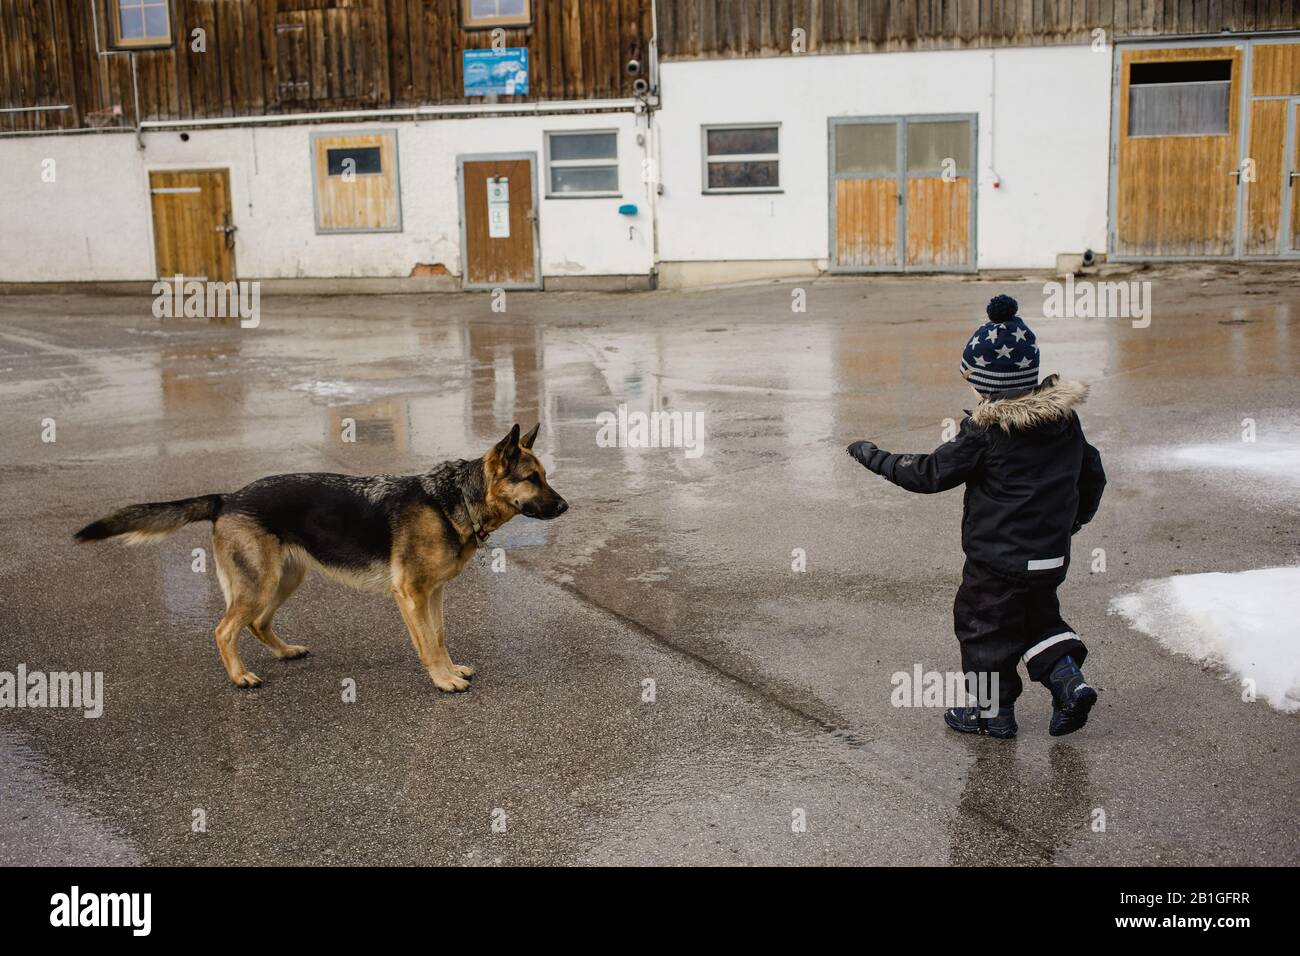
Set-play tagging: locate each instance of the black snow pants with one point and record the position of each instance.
(1000, 620)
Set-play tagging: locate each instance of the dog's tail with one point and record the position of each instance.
(147, 522)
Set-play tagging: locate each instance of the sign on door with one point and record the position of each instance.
(498, 198)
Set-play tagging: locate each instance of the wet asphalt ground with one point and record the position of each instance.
(771, 687)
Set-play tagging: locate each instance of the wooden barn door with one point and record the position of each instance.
(498, 196)
(902, 194)
(1177, 165)
(1273, 184)
(193, 232)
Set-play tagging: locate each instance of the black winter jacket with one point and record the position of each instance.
(1031, 478)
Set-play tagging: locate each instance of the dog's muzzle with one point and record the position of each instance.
(554, 511)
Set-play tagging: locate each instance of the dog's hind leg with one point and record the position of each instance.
(416, 607)
(248, 564)
(292, 572)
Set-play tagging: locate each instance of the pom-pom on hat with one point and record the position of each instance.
(1003, 353)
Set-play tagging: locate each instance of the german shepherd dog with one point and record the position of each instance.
(409, 535)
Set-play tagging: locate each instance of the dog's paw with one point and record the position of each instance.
(449, 681)
(246, 679)
(464, 670)
(291, 651)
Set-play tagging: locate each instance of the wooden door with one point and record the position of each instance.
(1177, 152)
(1293, 180)
(940, 171)
(193, 231)
(1266, 182)
(902, 193)
(498, 220)
(1274, 87)
(867, 207)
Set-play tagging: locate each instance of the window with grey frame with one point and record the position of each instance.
(742, 158)
(582, 163)
(1179, 98)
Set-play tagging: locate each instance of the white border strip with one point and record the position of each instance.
(1046, 564)
(1044, 645)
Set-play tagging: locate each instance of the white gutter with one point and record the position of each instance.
(415, 112)
(418, 112)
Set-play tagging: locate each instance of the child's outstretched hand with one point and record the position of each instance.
(862, 451)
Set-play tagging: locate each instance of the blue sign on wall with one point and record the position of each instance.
(496, 72)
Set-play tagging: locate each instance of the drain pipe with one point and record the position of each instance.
(653, 102)
(135, 92)
(993, 119)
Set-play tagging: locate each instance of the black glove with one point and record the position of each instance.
(862, 451)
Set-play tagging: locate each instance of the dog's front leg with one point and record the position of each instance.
(416, 606)
(440, 635)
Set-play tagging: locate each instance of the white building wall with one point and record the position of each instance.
(94, 222)
(1044, 130)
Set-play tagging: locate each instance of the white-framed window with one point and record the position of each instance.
(486, 14)
(140, 23)
(742, 158)
(581, 163)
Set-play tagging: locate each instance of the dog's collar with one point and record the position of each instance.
(479, 533)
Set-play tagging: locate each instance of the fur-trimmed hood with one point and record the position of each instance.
(1051, 401)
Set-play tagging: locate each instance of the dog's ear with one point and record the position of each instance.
(527, 440)
(507, 449)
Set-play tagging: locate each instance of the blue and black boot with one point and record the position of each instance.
(1072, 698)
(967, 720)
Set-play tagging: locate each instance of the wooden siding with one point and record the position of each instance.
(287, 56)
(36, 65)
(732, 28)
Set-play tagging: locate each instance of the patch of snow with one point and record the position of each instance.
(1247, 622)
(1273, 459)
(330, 389)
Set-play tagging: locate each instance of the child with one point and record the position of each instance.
(1032, 480)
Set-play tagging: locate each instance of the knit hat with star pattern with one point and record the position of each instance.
(1002, 354)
